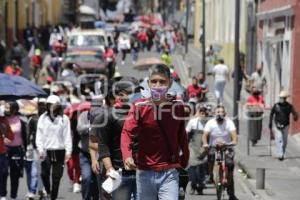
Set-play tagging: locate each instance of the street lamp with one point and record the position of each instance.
(236, 63)
(186, 26)
(203, 38)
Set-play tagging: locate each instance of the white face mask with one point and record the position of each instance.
(282, 100)
(2, 110)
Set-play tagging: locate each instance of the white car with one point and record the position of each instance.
(94, 38)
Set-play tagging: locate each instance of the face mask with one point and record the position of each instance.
(158, 93)
(203, 121)
(2, 110)
(7, 113)
(220, 118)
(134, 97)
(282, 100)
(256, 93)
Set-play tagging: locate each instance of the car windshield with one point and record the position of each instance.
(84, 58)
(87, 40)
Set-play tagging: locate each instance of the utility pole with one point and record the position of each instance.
(236, 64)
(186, 26)
(203, 38)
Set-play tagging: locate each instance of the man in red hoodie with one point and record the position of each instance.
(157, 126)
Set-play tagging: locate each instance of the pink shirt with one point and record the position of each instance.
(15, 125)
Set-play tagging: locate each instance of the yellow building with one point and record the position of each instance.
(15, 15)
(220, 26)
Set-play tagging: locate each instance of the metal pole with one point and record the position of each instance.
(260, 178)
(186, 26)
(236, 63)
(203, 38)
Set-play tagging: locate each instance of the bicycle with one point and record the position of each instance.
(220, 169)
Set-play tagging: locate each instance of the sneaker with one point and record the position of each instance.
(76, 188)
(281, 158)
(123, 62)
(2, 198)
(30, 195)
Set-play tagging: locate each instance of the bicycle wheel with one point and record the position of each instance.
(218, 181)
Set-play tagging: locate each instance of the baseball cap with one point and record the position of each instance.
(53, 99)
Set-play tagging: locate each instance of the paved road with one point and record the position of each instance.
(209, 194)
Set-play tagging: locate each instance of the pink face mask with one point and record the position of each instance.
(158, 93)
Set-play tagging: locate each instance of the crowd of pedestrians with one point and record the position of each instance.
(107, 130)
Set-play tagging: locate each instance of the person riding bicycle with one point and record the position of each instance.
(221, 129)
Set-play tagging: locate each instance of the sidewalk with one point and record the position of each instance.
(282, 178)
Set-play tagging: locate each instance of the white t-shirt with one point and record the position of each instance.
(217, 131)
(194, 124)
(221, 72)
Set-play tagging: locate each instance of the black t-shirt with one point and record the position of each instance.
(282, 113)
(108, 128)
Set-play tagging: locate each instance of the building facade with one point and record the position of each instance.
(220, 26)
(278, 34)
(15, 15)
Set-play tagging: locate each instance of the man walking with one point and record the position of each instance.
(109, 139)
(258, 80)
(54, 144)
(160, 134)
(280, 113)
(221, 75)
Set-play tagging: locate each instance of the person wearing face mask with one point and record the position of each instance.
(194, 130)
(216, 130)
(6, 137)
(15, 149)
(159, 127)
(258, 80)
(279, 122)
(255, 105)
(194, 90)
(32, 163)
(54, 144)
(13, 69)
(109, 138)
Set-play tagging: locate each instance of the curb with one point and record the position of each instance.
(250, 181)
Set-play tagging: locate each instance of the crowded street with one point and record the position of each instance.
(149, 100)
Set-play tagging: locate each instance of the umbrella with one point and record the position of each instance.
(175, 90)
(16, 87)
(146, 63)
(77, 107)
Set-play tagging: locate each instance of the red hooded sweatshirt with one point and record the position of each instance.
(153, 152)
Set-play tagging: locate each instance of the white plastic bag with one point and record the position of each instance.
(112, 182)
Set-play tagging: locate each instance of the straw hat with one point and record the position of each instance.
(284, 94)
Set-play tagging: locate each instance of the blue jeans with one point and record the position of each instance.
(34, 180)
(127, 189)
(3, 174)
(163, 185)
(281, 139)
(89, 186)
(219, 90)
(135, 55)
(197, 175)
